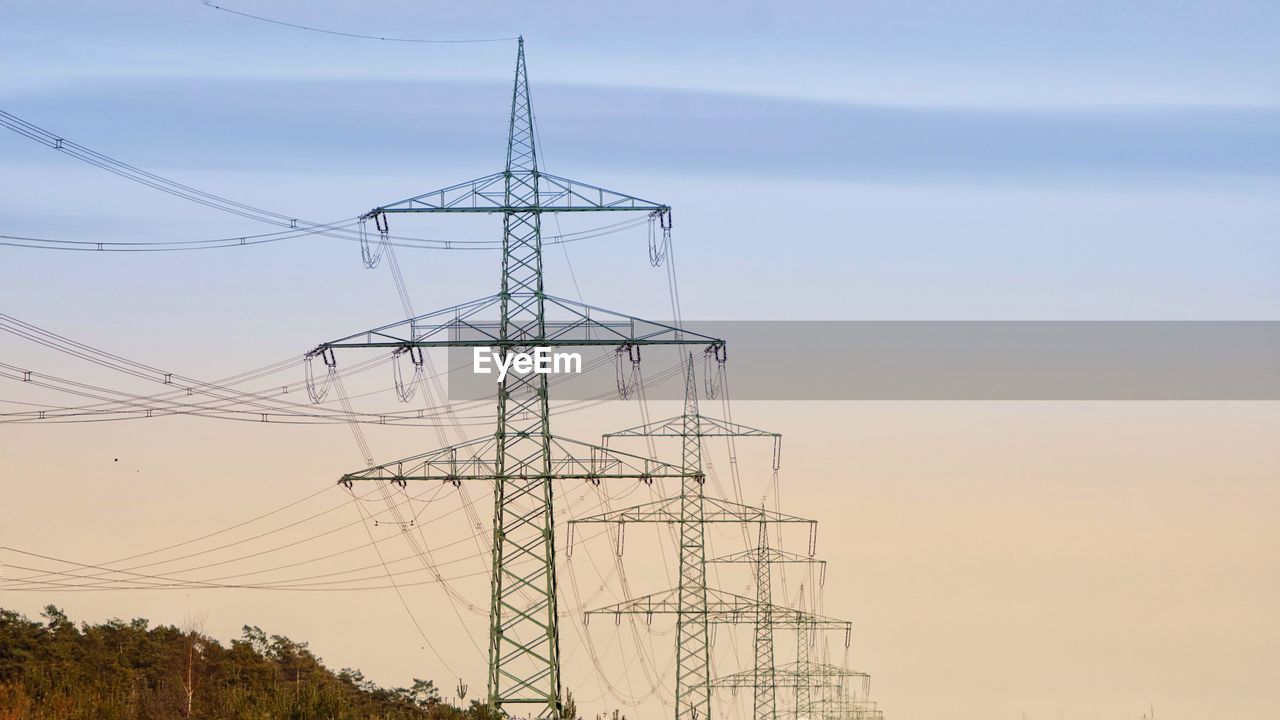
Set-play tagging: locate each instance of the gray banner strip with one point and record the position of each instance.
(945, 360)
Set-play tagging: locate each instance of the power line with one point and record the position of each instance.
(238, 241)
(102, 577)
(224, 397)
(294, 227)
(361, 36)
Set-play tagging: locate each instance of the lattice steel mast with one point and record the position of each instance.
(693, 643)
(804, 691)
(762, 558)
(847, 699)
(522, 457)
(766, 702)
(833, 681)
(690, 512)
(727, 609)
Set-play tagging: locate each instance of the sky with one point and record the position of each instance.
(840, 161)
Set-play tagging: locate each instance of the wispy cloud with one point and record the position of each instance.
(358, 126)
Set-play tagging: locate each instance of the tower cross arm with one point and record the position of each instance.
(723, 608)
(793, 674)
(571, 324)
(827, 670)
(715, 511)
(544, 193)
(779, 677)
(477, 460)
(706, 427)
(767, 555)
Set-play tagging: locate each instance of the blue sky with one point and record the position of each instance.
(922, 53)
(980, 160)
(846, 160)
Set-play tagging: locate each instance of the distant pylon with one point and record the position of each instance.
(724, 608)
(762, 558)
(692, 510)
(804, 691)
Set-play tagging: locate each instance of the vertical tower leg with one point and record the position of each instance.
(804, 688)
(765, 690)
(524, 634)
(693, 667)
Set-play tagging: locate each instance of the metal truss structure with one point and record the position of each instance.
(522, 458)
(691, 511)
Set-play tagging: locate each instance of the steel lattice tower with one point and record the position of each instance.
(804, 691)
(766, 702)
(691, 510)
(845, 694)
(693, 643)
(762, 558)
(724, 608)
(832, 681)
(522, 458)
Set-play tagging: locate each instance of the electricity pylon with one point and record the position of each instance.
(847, 699)
(786, 675)
(831, 680)
(522, 457)
(833, 683)
(845, 707)
(725, 608)
(762, 558)
(804, 641)
(691, 510)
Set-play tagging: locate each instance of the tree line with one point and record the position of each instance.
(53, 669)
